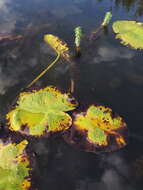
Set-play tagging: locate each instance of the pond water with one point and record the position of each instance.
(108, 73)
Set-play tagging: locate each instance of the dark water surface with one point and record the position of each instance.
(108, 73)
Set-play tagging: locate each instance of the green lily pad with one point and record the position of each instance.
(14, 167)
(42, 111)
(97, 129)
(130, 33)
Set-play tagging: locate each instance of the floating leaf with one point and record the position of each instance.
(14, 167)
(107, 19)
(130, 32)
(97, 130)
(58, 45)
(41, 111)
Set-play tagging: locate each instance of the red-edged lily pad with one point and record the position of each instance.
(97, 130)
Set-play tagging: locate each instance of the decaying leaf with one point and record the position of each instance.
(42, 111)
(14, 166)
(58, 45)
(130, 33)
(97, 130)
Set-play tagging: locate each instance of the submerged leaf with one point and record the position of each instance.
(58, 45)
(14, 167)
(97, 130)
(41, 111)
(130, 32)
(10, 37)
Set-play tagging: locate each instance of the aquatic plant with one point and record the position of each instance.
(14, 166)
(78, 36)
(60, 47)
(130, 33)
(107, 19)
(97, 130)
(38, 112)
(105, 22)
(42, 111)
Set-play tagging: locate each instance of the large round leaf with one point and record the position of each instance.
(130, 33)
(97, 130)
(42, 111)
(46, 99)
(14, 167)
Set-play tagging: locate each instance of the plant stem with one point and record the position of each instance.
(94, 33)
(43, 72)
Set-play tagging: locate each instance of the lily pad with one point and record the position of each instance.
(41, 111)
(14, 166)
(130, 33)
(97, 130)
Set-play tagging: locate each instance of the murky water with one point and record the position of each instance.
(107, 72)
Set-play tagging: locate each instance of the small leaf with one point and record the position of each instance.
(97, 130)
(41, 111)
(130, 32)
(78, 35)
(14, 167)
(107, 19)
(58, 45)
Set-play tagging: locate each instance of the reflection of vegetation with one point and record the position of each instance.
(14, 166)
(132, 3)
(98, 130)
(9, 37)
(41, 111)
(130, 32)
(138, 167)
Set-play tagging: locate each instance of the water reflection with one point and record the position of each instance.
(129, 4)
(111, 54)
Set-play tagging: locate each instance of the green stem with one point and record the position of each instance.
(43, 72)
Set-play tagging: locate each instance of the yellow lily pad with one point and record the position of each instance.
(97, 130)
(14, 166)
(58, 45)
(42, 111)
(130, 33)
